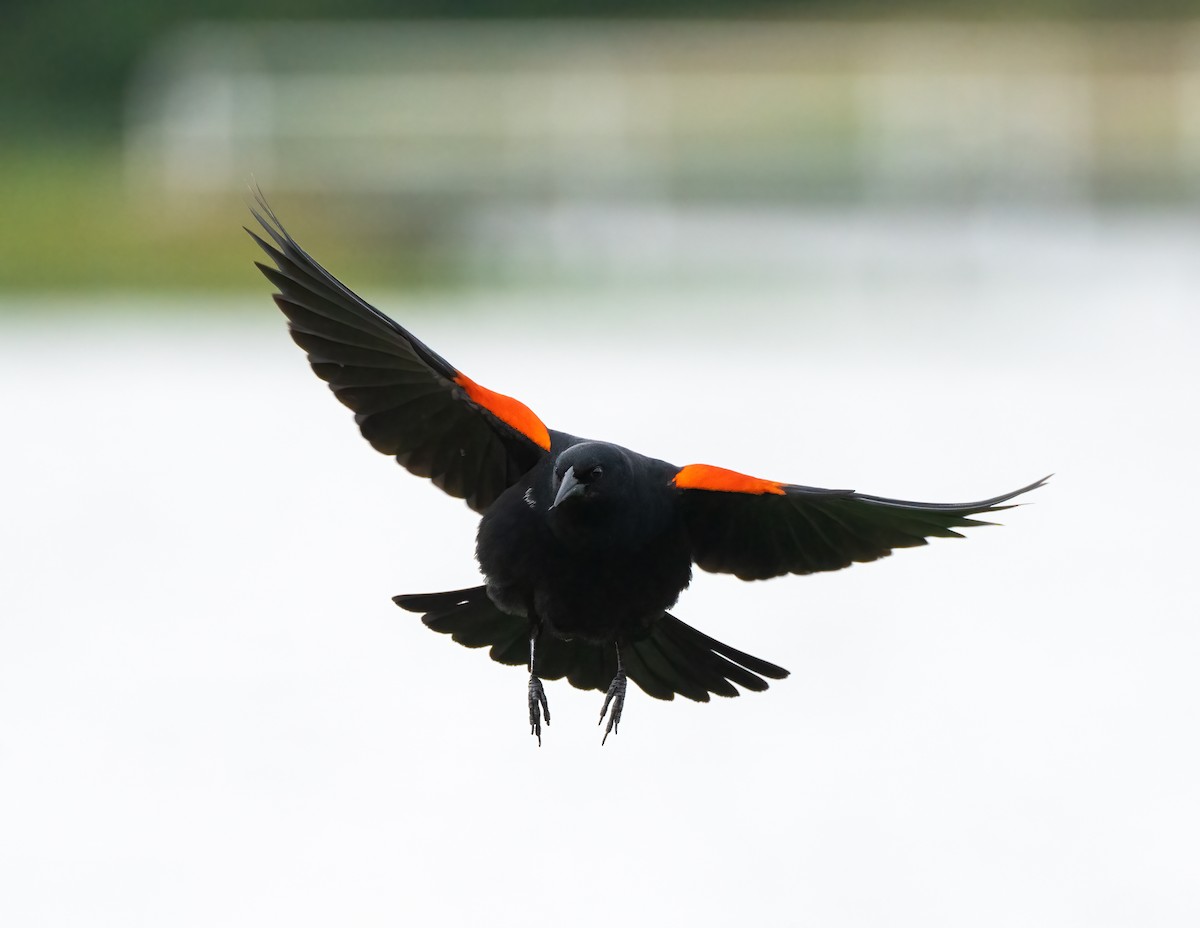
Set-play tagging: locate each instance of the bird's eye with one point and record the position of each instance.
(595, 473)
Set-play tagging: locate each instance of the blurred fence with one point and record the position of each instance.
(459, 113)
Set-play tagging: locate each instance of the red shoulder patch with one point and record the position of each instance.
(512, 413)
(708, 477)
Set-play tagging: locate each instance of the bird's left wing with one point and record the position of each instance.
(408, 401)
(756, 528)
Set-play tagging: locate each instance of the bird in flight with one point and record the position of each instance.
(583, 545)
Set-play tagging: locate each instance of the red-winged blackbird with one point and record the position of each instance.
(584, 545)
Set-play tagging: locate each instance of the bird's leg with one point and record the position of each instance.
(616, 696)
(537, 696)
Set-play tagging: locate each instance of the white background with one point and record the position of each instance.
(212, 714)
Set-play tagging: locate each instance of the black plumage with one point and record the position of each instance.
(583, 545)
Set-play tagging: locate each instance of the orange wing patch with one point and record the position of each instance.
(707, 477)
(511, 412)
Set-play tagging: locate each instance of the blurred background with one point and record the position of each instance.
(929, 250)
(490, 144)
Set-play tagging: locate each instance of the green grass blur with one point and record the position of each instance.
(74, 222)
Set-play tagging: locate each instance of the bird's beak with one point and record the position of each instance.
(569, 487)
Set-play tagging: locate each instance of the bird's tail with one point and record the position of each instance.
(673, 658)
(676, 658)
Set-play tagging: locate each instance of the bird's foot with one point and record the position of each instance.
(615, 696)
(537, 708)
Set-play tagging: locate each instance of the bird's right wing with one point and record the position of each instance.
(756, 528)
(408, 401)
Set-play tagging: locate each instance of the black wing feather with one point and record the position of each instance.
(404, 395)
(806, 530)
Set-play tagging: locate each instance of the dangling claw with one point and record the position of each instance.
(537, 696)
(615, 696)
(537, 707)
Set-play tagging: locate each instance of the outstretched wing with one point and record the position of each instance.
(408, 401)
(756, 528)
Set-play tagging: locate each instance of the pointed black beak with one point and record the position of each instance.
(569, 487)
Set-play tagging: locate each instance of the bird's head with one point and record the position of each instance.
(588, 472)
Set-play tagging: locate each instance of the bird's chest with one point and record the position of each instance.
(612, 587)
(611, 594)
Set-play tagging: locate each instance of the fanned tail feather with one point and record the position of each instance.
(673, 658)
(676, 658)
